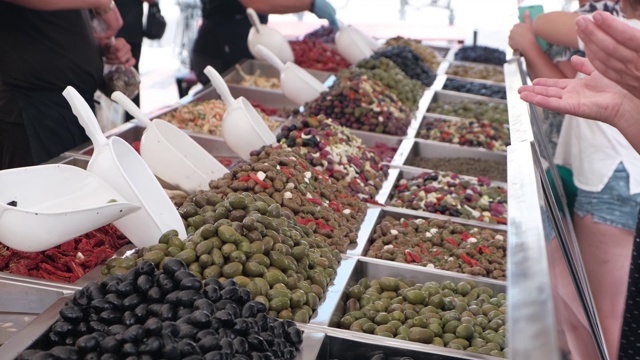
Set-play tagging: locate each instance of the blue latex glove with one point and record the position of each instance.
(324, 10)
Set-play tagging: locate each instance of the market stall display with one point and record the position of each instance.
(492, 169)
(409, 62)
(314, 54)
(466, 132)
(476, 71)
(429, 55)
(494, 112)
(475, 88)
(325, 34)
(481, 54)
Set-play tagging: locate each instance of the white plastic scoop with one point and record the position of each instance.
(242, 127)
(353, 44)
(171, 154)
(53, 204)
(297, 84)
(117, 163)
(268, 37)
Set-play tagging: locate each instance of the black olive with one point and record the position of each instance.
(183, 320)
(172, 266)
(141, 312)
(233, 309)
(226, 345)
(378, 357)
(132, 301)
(82, 328)
(80, 297)
(187, 331)
(100, 305)
(257, 343)
(100, 335)
(280, 344)
(153, 326)
(184, 312)
(208, 343)
(256, 356)
(215, 324)
(249, 310)
(114, 299)
(154, 294)
(97, 326)
(132, 275)
(109, 356)
(212, 293)
(253, 326)
(110, 316)
(193, 357)
(92, 356)
(189, 297)
(200, 319)
(151, 345)
(289, 353)
(188, 348)
(154, 309)
(171, 328)
(126, 288)
(146, 267)
(88, 343)
(55, 338)
(245, 296)
(62, 328)
(240, 345)
(111, 344)
(166, 284)
(181, 275)
(108, 280)
(241, 357)
(134, 333)
(129, 318)
(172, 298)
(203, 334)
(227, 333)
(167, 313)
(112, 287)
(144, 283)
(212, 281)
(230, 293)
(225, 317)
(129, 349)
(71, 313)
(263, 321)
(262, 307)
(190, 284)
(116, 329)
(217, 355)
(204, 305)
(28, 354)
(170, 351)
(229, 283)
(65, 352)
(70, 340)
(270, 355)
(242, 327)
(145, 357)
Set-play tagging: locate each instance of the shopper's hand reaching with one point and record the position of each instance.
(324, 10)
(522, 36)
(118, 52)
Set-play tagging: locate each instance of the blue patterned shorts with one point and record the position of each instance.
(613, 205)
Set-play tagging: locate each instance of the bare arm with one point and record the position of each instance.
(557, 27)
(48, 5)
(277, 6)
(540, 66)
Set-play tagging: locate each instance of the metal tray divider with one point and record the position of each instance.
(467, 79)
(444, 66)
(419, 146)
(454, 95)
(387, 186)
(403, 152)
(367, 227)
(439, 83)
(334, 292)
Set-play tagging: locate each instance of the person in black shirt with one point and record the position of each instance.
(222, 39)
(47, 46)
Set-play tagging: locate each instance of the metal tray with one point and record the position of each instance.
(474, 64)
(454, 96)
(483, 81)
(22, 301)
(267, 98)
(375, 215)
(25, 338)
(356, 269)
(396, 174)
(467, 80)
(431, 117)
(411, 148)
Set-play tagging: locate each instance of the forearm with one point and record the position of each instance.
(557, 28)
(277, 6)
(628, 122)
(50, 5)
(539, 65)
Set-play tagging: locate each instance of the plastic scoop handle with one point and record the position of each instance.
(221, 87)
(253, 19)
(126, 103)
(269, 56)
(85, 116)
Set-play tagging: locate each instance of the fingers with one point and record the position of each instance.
(119, 53)
(620, 31)
(546, 91)
(556, 83)
(549, 103)
(582, 65)
(526, 17)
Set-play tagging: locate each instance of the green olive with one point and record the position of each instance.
(420, 335)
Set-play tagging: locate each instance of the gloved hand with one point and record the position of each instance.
(324, 10)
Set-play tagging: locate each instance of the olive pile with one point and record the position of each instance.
(477, 71)
(246, 240)
(492, 169)
(325, 33)
(409, 62)
(333, 150)
(462, 317)
(467, 132)
(362, 104)
(481, 54)
(427, 54)
(283, 177)
(467, 109)
(407, 90)
(441, 244)
(476, 88)
(171, 314)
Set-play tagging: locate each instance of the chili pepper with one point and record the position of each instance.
(75, 269)
(411, 257)
(285, 170)
(335, 206)
(469, 261)
(315, 201)
(422, 249)
(301, 164)
(244, 178)
(437, 252)
(401, 187)
(53, 271)
(257, 179)
(483, 249)
(451, 241)
(465, 236)
(370, 201)
(499, 220)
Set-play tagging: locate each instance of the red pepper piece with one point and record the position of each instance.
(255, 177)
(469, 260)
(422, 249)
(499, 220)
(465, 236)
(401, 187)
(410, 256)
(305, 221)
(335, 206)
(370, 201)
(451, 241)
(483, 249)
(244, 178)
(285, 170)
(315, 201)
(438, 252)
(301, 164)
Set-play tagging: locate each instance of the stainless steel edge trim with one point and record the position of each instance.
(519, 121)
(403, 152)
(367, 227)
(387, 186)
(334, 293)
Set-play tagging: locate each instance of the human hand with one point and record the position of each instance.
(613, 47)
(522, 36)
(592, 97)
(109, 20)
(118, 51)
(324, 10)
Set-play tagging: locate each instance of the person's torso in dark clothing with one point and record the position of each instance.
(48, 50)
(131, 12)
(218, 11)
